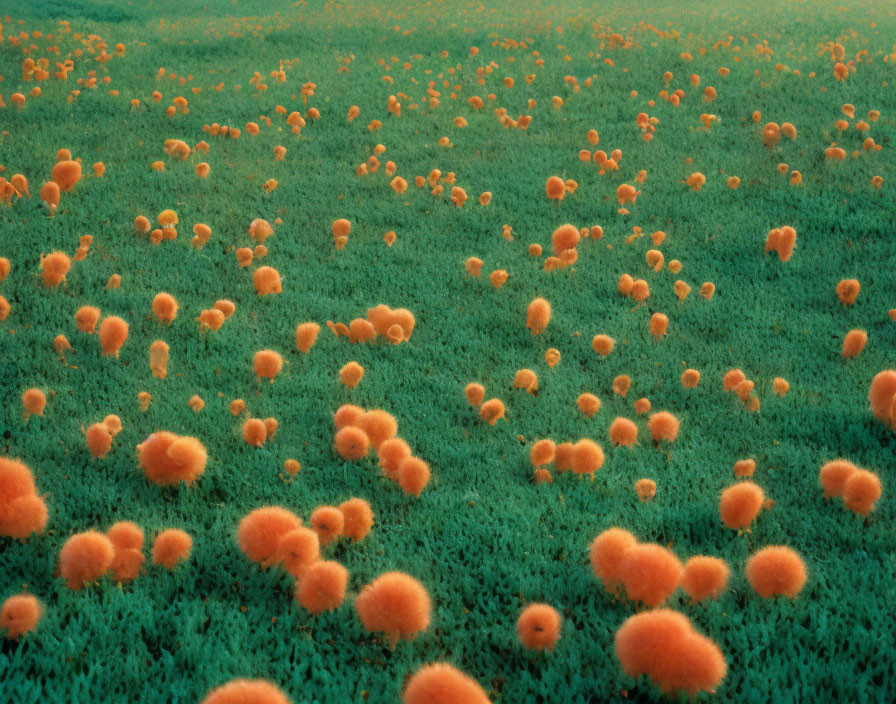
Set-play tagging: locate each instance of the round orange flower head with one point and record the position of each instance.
(357, 518)
(164, 307)
(246, 692)
(255, 432)
(391, 453)
(49, 194)
(440, 683)
(396, 605)
(158, 359)
(168, 459)
(341, 228)
(602, 344)
(266, 280)
(170, 547)
(588, 404)
(848, 291)
(99, 440)
(542, 452)
(740, 504)
(347, 415)
(378, 425)
(587, 457)
(538, 627)
(66, 174)
(623, 432)
(861, 490)
(485, 198)
(555, 188)
(607, 552)
(498, 278)
(564, 238)
(327, 522)
(33, 401)
(645, 489)
(642, 406)
(260, 230)
(113, 333)
(297, 550)
(650, 574)
(267, 364)
(538, 315)
(621, 385)
(492, 411)
(22, 511)
(705, 577)
(640, 290)
(658, 325)
(321, 587)
(744, 468)
(690, 378)
(526, 379)
(663, 426)
(413, 475)
(732, 378)
(707, 289)
(552, 357)
(86, 319)
(85, 557)
(776, 570)
(350, 375)
(54, 267)
(306, 336)
(854, 343)
(475, 393)
(260, 531)
(833, 476)
(19, 615)
(664, 645)
(399, 185)
(473, 265)
(351, 443)
(882, 396)
(696, 181)
(563, 456)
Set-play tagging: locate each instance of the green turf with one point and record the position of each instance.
(482, 537)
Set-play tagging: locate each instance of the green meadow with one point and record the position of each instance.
(483, 537)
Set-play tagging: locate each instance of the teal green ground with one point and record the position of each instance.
(482, 537)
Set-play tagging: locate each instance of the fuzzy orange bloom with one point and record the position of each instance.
(492, 411)
(650, 574)
(85, 557)
(351, 443)
(588, 404)
(740, 504)
(357, 518)
(475, 393)
(20, 614)
(776, 570)
(321, 587)
(242, 691)
(440, 683)
(396, 605)
(538, 627)
(606, 554)
(623, 432)
(705, 577)
(113, 333)
(170, 547)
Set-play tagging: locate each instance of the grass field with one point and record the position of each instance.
(484, 537)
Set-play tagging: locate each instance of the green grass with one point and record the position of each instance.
(482, 537)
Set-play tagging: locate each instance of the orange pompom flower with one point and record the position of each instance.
(538, 627)
(395, 604)
(776, 570)
(321, 587)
